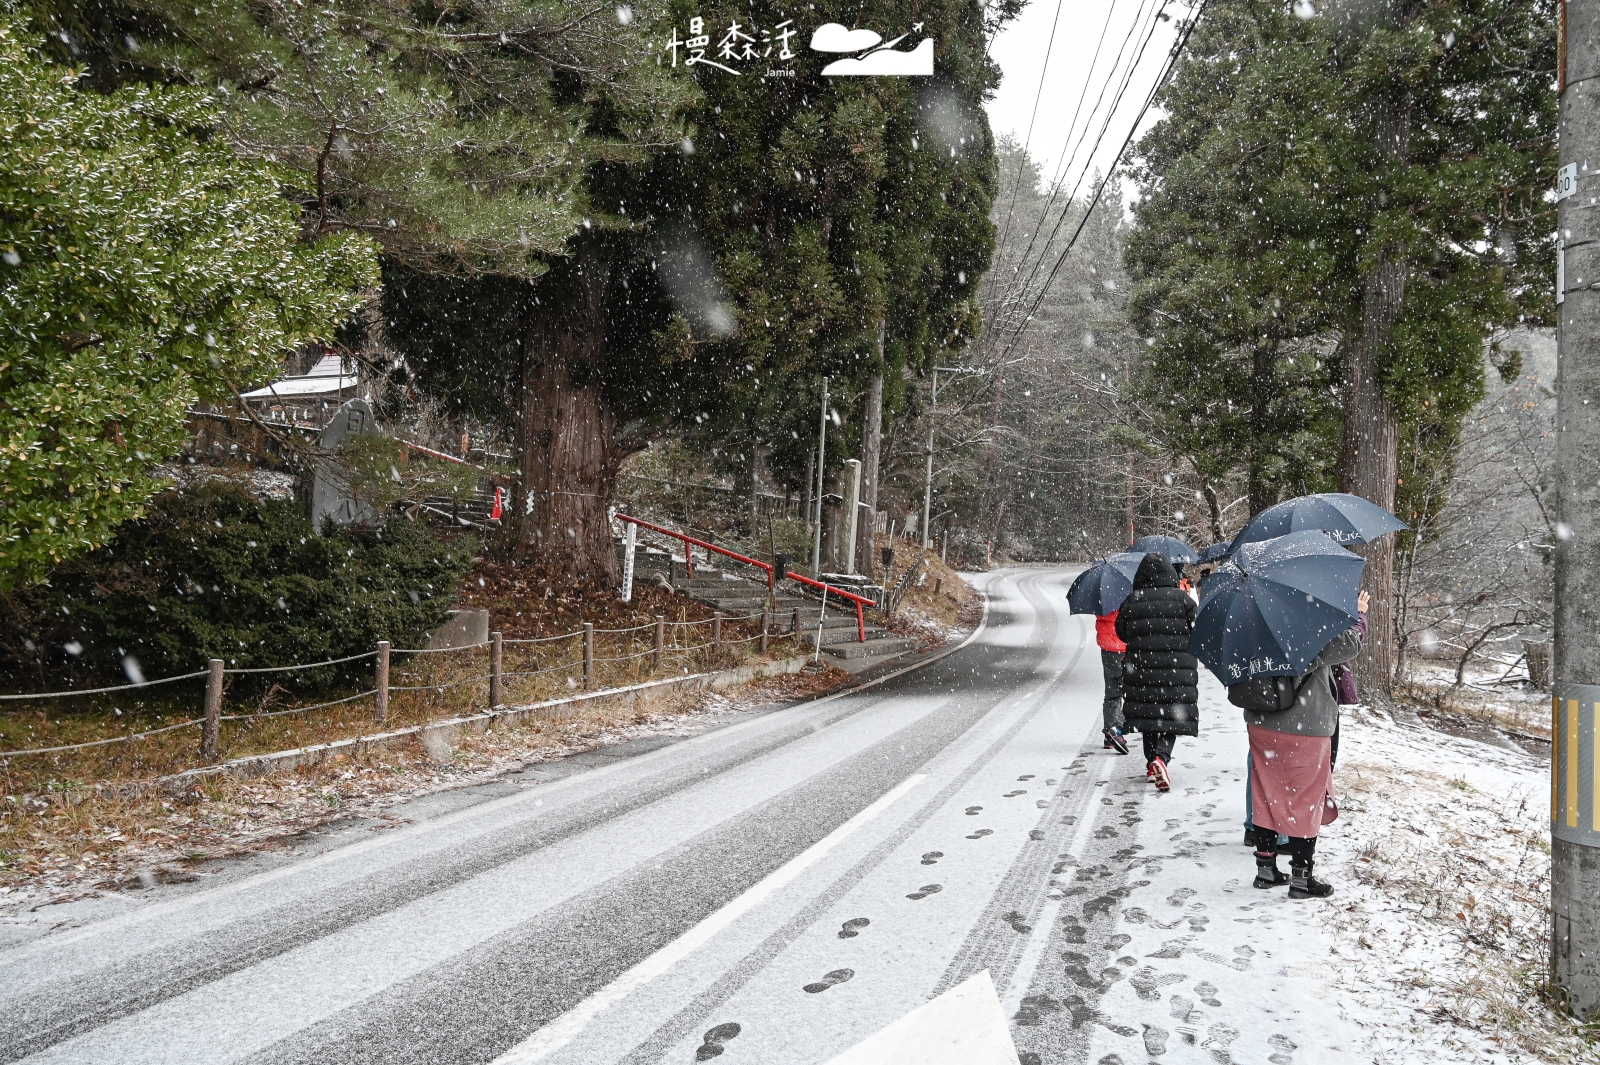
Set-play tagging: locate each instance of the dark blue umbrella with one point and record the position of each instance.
(1348, 519)
(1102, 587)
(1216, 551)
(1274, 605)
(1175, 549)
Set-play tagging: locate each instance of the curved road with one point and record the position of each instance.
(773, 892)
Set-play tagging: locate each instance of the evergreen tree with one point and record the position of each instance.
(1342, 207)
(805, 226)
(142, 266)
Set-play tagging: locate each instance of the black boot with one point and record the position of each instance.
(1268, 875)
(1302, 885)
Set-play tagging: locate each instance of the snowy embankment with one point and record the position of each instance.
(1432, 948)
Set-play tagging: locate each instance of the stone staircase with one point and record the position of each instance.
(740, 596)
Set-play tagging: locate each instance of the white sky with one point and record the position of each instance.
(1021, 51)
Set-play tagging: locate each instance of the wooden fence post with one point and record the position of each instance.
(588, 654)
(794, 625)
(766, 617)
(716, 631)
(211, 727)
(661, 639)
(380, 705)
(496, 659)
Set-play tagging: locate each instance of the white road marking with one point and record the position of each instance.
(558, 1033)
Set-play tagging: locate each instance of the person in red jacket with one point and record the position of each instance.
(1111, 651)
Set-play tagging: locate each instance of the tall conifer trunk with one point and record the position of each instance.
(566, 428)
(1369, 451)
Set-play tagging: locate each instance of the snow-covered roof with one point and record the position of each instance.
(325, 378)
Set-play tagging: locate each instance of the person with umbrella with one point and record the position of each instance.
(1278, 616)
(1160, 678)
(1344, 518)
(1100, 590)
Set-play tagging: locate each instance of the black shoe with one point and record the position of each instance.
(1268, 875)
(1115, 740)
(1302, 885)
(1249, 837)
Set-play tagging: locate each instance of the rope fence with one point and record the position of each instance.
(661, 649)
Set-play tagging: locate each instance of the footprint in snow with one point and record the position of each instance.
(1117, 942)
(852, 928)
(1051, 783)
(981, 833)
(972, 811)
(838, 976)
(1182, 1006)
(1031, 1007)
(1155, 1041)
(713, 1040)
(932, 857)
(1285, 1047)
(1177, 898)
(1034, 833)
(1198, 924)
(1026, 776)
(1208, 993)
(925, 890)
(1014, 919)
(1028, 1057)
(1014, 794)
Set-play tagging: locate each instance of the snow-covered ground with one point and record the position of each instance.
(1430, 950)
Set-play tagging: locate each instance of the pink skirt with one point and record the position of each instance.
(1291, 782)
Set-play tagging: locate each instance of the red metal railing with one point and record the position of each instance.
(688, 565)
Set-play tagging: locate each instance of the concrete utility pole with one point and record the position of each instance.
(933, 414)
(822, 465)
(1575, 789)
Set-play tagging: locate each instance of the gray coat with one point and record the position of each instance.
(1316, 711)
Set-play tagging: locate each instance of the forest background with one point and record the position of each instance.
(1326, 267)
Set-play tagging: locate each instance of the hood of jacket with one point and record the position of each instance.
(1155, 572)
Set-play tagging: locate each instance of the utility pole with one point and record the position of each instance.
(927, 484)
(822, 464)
(1575, 766)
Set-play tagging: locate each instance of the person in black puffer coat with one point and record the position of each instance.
(1160, 678)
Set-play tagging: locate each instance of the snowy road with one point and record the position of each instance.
(780, 889)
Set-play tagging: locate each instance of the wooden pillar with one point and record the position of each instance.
(211, 727)
(380, 706)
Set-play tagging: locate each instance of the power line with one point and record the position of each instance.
(1170, 66)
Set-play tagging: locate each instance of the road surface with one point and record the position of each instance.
(770, 892)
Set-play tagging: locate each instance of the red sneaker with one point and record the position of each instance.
(1158, 772)
(1150, 771)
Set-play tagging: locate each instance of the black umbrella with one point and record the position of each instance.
(1348, 519)
(1102, 587)
(1274, 605)
(1175, 549)
(1216, 551)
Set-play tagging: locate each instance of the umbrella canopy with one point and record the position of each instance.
(1348, 519)
(1274, 605)
(1216, 551)
(1175, 549)
(1102, 587)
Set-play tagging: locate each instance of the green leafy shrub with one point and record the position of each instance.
(217, 573)
(143, 265)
